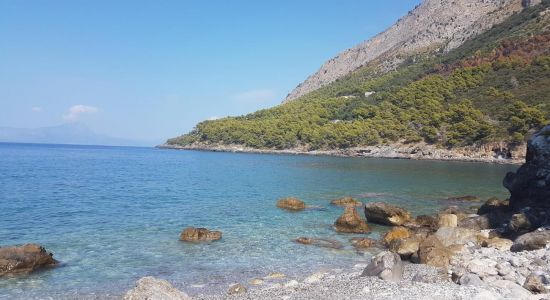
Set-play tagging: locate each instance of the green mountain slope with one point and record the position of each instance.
(494, 88)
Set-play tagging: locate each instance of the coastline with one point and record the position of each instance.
(483, 154)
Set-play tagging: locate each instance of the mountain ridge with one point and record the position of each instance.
(434, 25)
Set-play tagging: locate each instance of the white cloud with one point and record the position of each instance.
(36, 109)
(255, 96)
(77, 110)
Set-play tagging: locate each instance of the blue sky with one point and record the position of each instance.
(149, 70)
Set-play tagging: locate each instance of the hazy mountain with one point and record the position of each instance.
(70, 133)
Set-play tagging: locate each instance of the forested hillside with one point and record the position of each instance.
(494, 88)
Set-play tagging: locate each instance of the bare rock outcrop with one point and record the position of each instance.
(431, 26)
(351, 222)
(386, 214)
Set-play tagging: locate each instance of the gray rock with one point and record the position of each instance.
(385, 265)
(470, 279)
(536, 282)
(150, 288)
(455, 235)
(532, 241)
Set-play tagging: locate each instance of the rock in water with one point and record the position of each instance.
(529, 186)
(192, 234)
(320, 242)
(346, 201)
(24, 259)
(363, 243)
(385, 265)
(151, 288)
(386, 214)
(351, 222)
(532, 241)
(291, 203)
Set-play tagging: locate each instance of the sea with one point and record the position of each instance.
(112, 215)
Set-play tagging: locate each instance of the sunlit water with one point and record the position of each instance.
(112, 215)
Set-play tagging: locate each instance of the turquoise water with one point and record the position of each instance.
(112, 214)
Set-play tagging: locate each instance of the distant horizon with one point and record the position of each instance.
(151, 72)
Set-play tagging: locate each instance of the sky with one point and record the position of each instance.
(150, 70)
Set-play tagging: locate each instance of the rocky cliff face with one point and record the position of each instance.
(434, 25)
(530, 185)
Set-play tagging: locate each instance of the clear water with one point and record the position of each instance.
(114, 214)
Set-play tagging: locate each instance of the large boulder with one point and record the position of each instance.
(192, 234)
(398, 232)
(346, 201)
(447, 220)
(427, 221)
(291, 203)
(455, 236)
(406, 247)
(532, 241)
(386, 266)
(529, 186)
(24, 259)
(432, 252)
(351, 222)
(151, 288)
(319, 242)
(536, 282)
(386, 214)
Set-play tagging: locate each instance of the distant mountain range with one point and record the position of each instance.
(70, 133)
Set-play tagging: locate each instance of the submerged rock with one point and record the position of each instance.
(363, 243)
(386, 266)
(192, 234)
(291, 203)
(151, 288)
(24, 259)
(386, 214)
(346, 201)
(320, 242)
(351, 222)
(464, 198)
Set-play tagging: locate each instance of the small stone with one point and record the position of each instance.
(237, 289)
(536, 283)
(275, 275)
(291, 284)
(316, 277)
(150, 288)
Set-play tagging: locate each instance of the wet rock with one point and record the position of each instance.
(532, 241)
(529, 186)
(447, 220)
(320, 242)
(151, 288)
(497, 243)
(455, 235)
(536, 283)
(236, 289)
(351, 222)
(192, 234)
(291, 203)
(398, 232)
(363, 243)
(386, 266)
(432, 252)
(426, 221)
(24, 259)
(464, 198)
(346, 201)
(386, 214)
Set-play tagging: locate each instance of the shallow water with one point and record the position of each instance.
(114, 214)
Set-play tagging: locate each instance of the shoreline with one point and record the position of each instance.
(413, 152)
